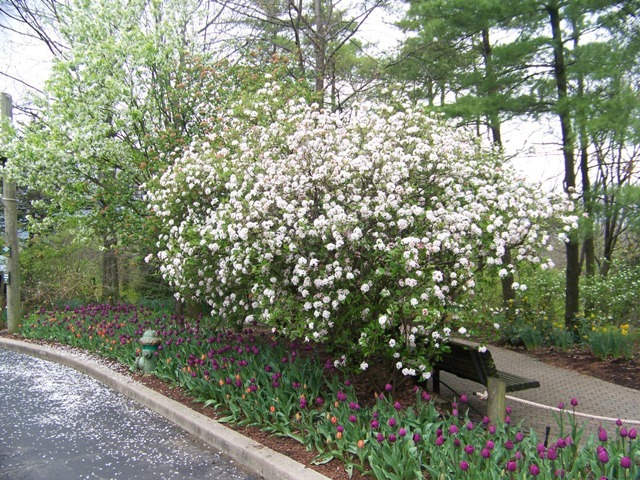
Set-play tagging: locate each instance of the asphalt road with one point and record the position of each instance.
(56, 423)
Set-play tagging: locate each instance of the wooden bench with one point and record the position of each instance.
(465, 361)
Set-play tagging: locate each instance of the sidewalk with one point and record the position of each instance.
(595, 397)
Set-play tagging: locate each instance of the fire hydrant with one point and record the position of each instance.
(147, 360)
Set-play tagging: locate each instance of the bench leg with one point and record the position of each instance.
(436, 381)
(496, 403)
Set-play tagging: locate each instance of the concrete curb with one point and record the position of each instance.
(254, 456)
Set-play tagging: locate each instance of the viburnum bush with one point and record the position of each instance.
(361, 229)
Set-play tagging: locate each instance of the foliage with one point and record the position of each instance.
(611, 342)
(374, 222)
(613, 298)
(254, 378)
(58, 268)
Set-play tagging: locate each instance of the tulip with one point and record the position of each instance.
(602, 435)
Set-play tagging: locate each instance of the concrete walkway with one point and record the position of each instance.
(595, 397)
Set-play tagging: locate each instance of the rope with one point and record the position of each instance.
(577, 414)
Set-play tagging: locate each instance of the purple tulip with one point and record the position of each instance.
(485, 453)
(392, 422)
(574, 402)
(602, 435)
(552, 454)
(417, 437)
(353, 418)
(380, 438)
(534, 470)
(402, 432)
(469, 449)
(392, 438)
(603, 456)
(633, 434)
(375, 424)
(625, 462)
(512, 465)
(453, 430)
(439, 441)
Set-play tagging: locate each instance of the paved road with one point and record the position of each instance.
(57, 423)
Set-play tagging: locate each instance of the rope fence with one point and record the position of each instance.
(577, 414)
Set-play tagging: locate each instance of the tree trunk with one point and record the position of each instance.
(493, 119)
(110, 274)
(572, 285)
(319, 49)
(508, 293)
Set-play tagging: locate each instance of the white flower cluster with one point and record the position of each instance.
(324, 222)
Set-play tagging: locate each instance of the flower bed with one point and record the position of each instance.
(254, 378)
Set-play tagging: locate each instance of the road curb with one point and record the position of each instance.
(253, 455)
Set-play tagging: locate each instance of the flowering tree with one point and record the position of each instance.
(362, 229)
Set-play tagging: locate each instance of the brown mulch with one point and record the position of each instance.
(621, 372)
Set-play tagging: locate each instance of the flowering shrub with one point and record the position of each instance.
(364, 227)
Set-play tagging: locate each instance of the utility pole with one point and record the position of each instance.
(12, 277)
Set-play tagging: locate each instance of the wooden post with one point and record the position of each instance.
(497, 401)
(11, 235)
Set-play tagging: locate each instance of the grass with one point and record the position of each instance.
(253, 378)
